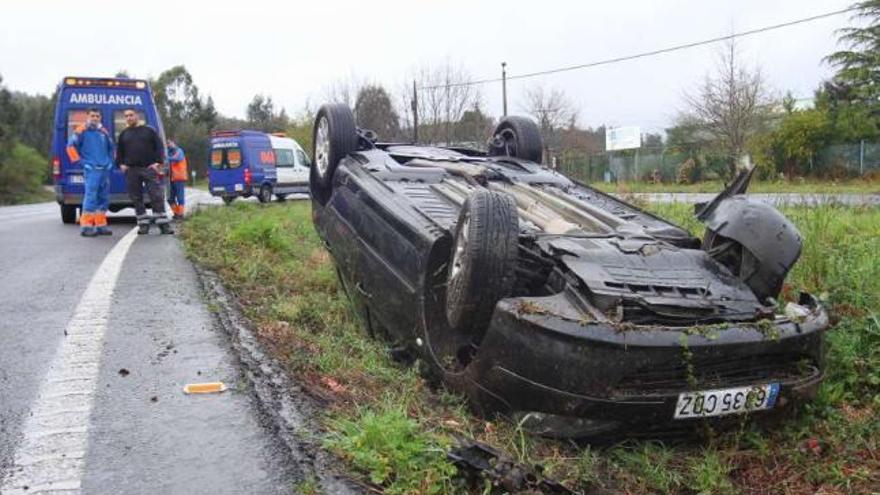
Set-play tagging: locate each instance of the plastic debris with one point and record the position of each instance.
(204, 388)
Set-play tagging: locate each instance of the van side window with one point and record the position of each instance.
(119, 124)
(284, 158)
(302, 160)
(75, 118)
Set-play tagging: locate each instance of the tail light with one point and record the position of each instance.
(247, 176)
(56, 168)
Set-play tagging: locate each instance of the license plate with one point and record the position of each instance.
(239, 187)
(725, 401)
(75, 179)
(219, 189)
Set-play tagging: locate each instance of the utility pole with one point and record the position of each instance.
(415, 110)
(504, 87)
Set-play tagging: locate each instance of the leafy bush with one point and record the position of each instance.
(22, 173)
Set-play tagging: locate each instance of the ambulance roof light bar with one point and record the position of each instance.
(105, 82)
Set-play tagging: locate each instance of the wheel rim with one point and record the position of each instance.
(509, 138)
(322, 147)
(460, 247)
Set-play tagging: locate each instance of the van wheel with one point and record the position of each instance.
(68, 214)
(228, 199)
(334, 137)
(265, 193)
(483, 260)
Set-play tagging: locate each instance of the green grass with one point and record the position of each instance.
(811, 186)
(385, 423)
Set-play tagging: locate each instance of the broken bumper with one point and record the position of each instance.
(566, 378)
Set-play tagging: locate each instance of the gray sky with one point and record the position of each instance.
(293, 50)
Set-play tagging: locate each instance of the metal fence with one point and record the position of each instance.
(839, 160)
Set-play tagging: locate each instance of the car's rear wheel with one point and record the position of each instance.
(518, 137)
(334, 137)
(265, 193)
(68, 214)
(483, 261)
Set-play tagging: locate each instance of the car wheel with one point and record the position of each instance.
(334, 137)
(228, 199)
(483, 260)
(281, 197)
(265, 193)
(68, 214)
(518, 137)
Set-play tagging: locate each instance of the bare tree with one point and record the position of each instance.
(344, 90)
(443, 98)
(729, 104)
(553, 110)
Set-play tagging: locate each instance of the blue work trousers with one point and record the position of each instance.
(97, 189)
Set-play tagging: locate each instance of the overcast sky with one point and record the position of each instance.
(293, 50)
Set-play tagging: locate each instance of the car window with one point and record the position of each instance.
(225, 158)
(284, 158)
(302, 159)
(119, 124)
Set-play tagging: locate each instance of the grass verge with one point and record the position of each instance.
(856, 186)
(387, 425)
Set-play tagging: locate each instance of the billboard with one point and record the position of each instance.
(623, 138)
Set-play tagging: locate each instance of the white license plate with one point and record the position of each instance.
(239, 187)
(725, 401)
(219, 189)
(75, 179)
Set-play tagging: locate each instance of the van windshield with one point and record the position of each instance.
(224, 158)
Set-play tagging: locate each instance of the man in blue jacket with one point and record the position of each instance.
(91, 147)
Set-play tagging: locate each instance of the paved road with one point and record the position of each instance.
(98, 338)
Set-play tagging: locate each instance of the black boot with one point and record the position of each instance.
(165, 228)
(143, 228)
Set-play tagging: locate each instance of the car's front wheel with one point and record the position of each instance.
(518, 137)
(483, 261)
(265, 194)
(334, 136)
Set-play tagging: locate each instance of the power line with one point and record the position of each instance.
(649, 53)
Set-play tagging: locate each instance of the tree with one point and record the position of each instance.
(443, 98)
(858, 67)
(730, 105)
(474, 127)
(35, 120)
(261, 115)
(373, 110)
(790, 147)
(553, 110)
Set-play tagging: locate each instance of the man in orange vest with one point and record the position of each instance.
(178, 178)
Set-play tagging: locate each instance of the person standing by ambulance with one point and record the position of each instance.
(177, 158)
(91, 147)
(140, 154)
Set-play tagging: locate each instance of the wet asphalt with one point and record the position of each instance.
(144, 434)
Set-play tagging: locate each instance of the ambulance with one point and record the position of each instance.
(111, 96)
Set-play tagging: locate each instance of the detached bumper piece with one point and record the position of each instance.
(479, 462)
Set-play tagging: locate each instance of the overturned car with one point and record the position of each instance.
(563, 308)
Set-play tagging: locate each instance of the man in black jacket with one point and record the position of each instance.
(140, 154)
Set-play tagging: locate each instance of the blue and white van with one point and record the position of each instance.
(253, 163)
(111, 96)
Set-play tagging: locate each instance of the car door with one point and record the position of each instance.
(285, 163)
(300, 171)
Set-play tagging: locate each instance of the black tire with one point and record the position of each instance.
(68, 214)
(518, 137)
(483, 260)
(281, 197)
(228, 199)
(335, 125)
(265, 195)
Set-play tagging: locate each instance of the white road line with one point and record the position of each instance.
(51, 456)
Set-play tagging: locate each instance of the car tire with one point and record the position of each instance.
(265, 195)
(281, 197)
(228, 199)
(334, 136)
(68, 214)
(518, 137)
(483, 260)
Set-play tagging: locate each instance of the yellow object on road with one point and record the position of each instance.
(204, 388)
